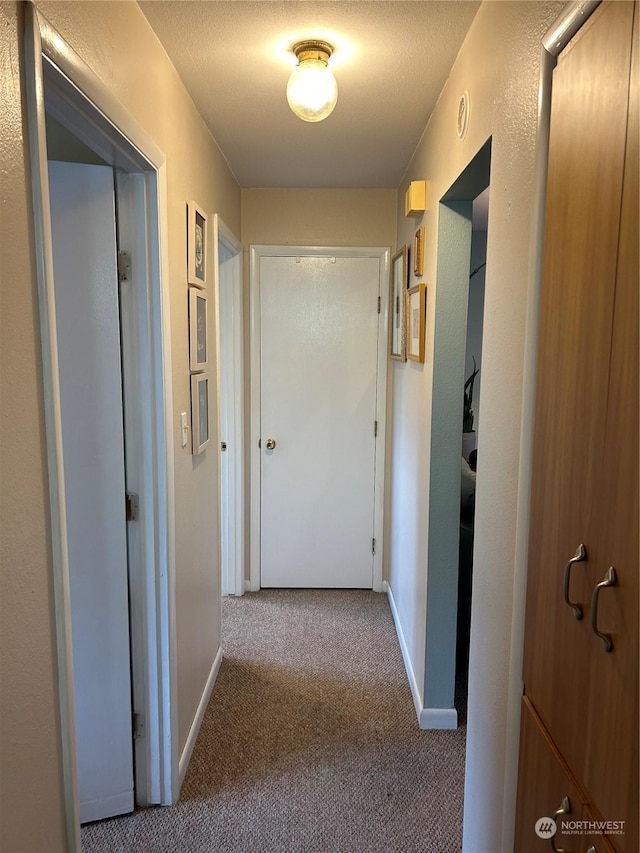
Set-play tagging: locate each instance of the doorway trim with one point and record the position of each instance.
(87, 107)
(231, 397)
(257, 252)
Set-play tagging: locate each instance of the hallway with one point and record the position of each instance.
(310, 742)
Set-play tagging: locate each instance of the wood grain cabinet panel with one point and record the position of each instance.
(543, 784)
(586, 171)
(586, 436)
(611, 756)
(595, 841)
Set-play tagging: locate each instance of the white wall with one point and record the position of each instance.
(498, 65)
(115, 40)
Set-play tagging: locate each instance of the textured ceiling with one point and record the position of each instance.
(391, 61)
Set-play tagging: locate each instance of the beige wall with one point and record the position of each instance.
(116, 42)
(31, 807)
(318, 217)
(499, 66)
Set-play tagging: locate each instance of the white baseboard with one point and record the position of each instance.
(428, 718)
(185, 758)
(413, 684)
(438, 718)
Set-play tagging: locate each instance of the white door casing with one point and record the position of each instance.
(81, 102)
(318, 388)
(87, 312)
(230, 340)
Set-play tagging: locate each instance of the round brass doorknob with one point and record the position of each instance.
(270, 444)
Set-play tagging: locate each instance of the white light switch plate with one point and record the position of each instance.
(185, 428)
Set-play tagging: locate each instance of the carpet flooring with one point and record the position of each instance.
(310, 743)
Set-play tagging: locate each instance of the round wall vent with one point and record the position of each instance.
(464, 108)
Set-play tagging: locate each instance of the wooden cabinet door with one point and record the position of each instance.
(594, 840)
(542, 787)
(611, 755)
(583, 212)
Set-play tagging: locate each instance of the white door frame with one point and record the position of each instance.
(256, 253)
(231, 409)
(76, 97)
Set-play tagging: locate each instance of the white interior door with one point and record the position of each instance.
(319, 333)
(88, 330)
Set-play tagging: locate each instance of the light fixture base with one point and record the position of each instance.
(312, 49)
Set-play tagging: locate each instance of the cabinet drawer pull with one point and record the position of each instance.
(610, 579)
(565, 808)
(580, 555)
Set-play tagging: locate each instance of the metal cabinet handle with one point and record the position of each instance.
(610, 579)
(592, 849)
(579, 556)
(565, 808)
(270, 444)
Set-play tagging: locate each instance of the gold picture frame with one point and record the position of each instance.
(418, 252)
(397, 311)
(416, 304)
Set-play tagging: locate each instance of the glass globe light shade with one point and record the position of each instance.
(312, 91)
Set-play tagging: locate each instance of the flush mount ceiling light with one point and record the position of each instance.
(312, 90)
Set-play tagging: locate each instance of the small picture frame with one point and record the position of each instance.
(418, 252)
(198, 342)
(196, 245)
(200, 435)
(416, 301)
(397, 315)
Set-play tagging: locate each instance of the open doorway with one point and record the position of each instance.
(100, 135)
(454, 264)
(469, 461)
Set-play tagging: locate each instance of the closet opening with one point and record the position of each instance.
(83, 143)
(452, 501)
(469, 455)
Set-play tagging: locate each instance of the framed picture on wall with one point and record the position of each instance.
(196, 245)
(199, 412)
(397, 291)
(418, 252)
(416, 301)
(198, 344)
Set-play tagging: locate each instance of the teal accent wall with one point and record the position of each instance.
(454, 252)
